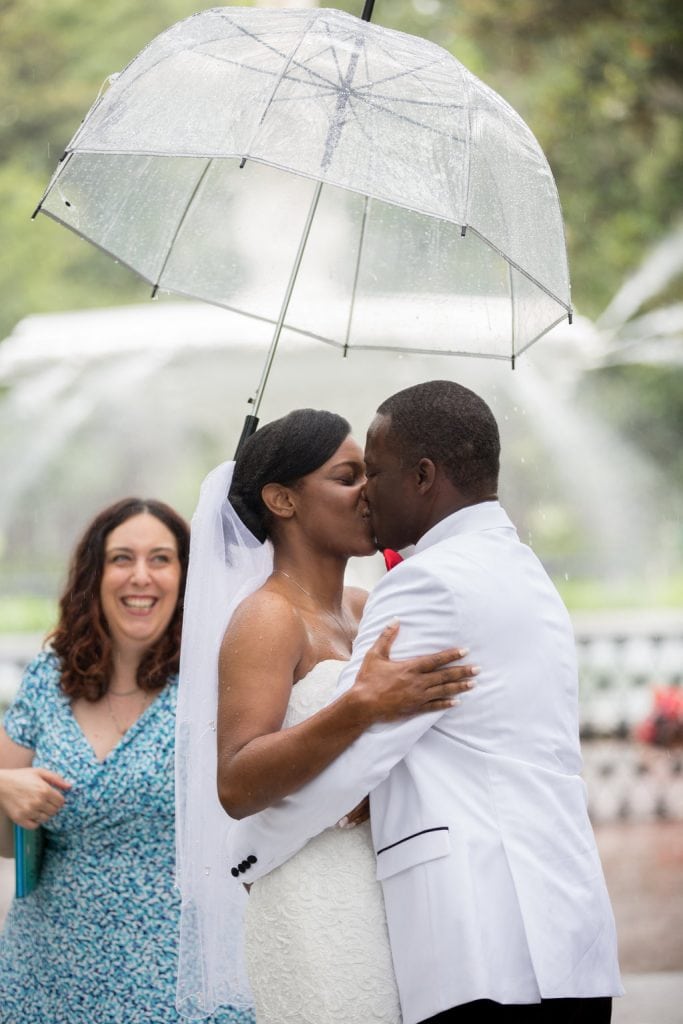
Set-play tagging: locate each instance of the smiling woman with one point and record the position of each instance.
(86, 754)
(141, 572)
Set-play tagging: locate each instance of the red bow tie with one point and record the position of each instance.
(391, 558)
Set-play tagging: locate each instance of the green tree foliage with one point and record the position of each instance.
(55, 56)
(602, 86)
(646, 403)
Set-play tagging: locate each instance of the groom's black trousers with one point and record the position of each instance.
(548, 1011)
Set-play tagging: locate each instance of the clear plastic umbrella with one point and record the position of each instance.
(329, 176)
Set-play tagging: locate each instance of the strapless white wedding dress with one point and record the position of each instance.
(317, 946)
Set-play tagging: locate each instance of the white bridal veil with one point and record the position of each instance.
(226, 564)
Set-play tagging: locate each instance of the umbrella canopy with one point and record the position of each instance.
(310, 169)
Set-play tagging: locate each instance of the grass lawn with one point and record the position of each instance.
(27, 614)
(31, 614)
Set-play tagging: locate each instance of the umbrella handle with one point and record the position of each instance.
(249, 428)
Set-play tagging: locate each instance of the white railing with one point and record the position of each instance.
(623, 658)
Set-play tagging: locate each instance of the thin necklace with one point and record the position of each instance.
(117, 725)
(123, 693)
(315, 600)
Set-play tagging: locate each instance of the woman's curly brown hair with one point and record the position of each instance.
(81, 638)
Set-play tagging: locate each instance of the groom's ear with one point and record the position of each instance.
(278, 500)
(426, 475)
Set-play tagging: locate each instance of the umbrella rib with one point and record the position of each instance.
(366, 101)
(468, 153)
(343, 96)
(321, 93)
(407, 349)
(344, 101)
(251, 35)
(199, 48)
(323, 49)
(337, 64)
(275, 74)
(415, 103)
(513, 338)
(312, 77)
(179, 225)
(315, 74)
(542, 334)
(366, 63)
(413, 72)
(289, 60)
(519, 268)
(61, 166)
(356, 274)
(401, 117)
(400, 74)
(275, 50)
(98, 245)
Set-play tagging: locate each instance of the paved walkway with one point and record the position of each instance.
(643, 864)
(655, 998)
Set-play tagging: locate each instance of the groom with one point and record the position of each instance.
(494, 893)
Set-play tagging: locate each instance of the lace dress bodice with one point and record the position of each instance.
(312, 692)
(316, 936)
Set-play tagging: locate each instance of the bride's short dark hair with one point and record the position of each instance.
(282, 452)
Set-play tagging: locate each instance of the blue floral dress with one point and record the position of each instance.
(96, 941)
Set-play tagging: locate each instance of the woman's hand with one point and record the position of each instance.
(396, 689)
(29, 796)
(357, 816)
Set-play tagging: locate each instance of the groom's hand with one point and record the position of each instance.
(396, 689)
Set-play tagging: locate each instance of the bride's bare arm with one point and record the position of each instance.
(258, 762)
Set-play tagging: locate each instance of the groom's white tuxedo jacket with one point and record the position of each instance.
(492, 882)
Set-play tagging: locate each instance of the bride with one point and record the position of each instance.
(315, 935)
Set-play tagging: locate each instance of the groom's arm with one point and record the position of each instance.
(425, 608)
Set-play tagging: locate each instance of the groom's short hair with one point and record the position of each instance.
(451, 425)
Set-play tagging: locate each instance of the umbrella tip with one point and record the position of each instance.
(367, 10)
(570, 316)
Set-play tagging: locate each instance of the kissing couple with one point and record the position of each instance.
(474, 891)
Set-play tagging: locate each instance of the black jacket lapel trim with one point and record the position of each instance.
(439, 828)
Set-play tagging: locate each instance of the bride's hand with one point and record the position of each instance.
(359, 814)
(397, 689)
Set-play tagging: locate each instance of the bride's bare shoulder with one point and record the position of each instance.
(266, 609)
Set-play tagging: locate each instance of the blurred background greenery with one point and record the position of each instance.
(599, 83)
